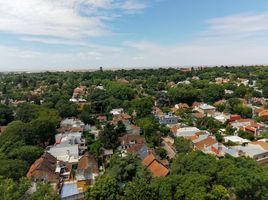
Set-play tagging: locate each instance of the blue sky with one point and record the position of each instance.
(86, 34)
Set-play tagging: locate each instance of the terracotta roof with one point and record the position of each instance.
(245, 120)
(194, 137)
(126, 139)
(263, 113)
(259, 110)
(148, 160)
(44, 169)
(234, 118)
(158, 169)
(264, 145)
(206, 142)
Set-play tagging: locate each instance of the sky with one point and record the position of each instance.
(39, 35)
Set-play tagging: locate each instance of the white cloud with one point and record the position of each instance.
(61, 18)
(237, 27)
(231, 40)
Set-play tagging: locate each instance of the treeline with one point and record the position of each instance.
(193, 176)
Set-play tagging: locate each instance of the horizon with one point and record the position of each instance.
(127, 34)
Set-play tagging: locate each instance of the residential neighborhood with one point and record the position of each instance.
(113, 133)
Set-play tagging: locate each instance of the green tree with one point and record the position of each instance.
(138, 189)
(10, 189)
(44, 192)
(184, 93)
(125, 169)
(26, 112)
(109, 137)
(105, 188)
(183, 145)
(44, 131)
(67, 109)
(219, 192)
(212, 93)
(14, 169)
(6, 115)
(27, 153)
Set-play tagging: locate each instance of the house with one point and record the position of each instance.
(123, 117)
(228, 91)
(72, 190)
(117, 111)
(102, 118)
(221, 117)
(205, 109)
(262, 144)
(255, 152)
(202, 143)
(78, 95)
(48, 168)
(68, 147)
(171, 84)
(133, 129)
(157, 168)
(87, 169)
(234, 118)
(186, 132)
(236, 139)
(180, 106)
(168, 119)
(71, 122)
(107, 153)
(186, 82)
(250, 126)
(129, 140)
(141, 150)
(219, 102)
(243, 81)
(263, 114)
(157, 112)
(220, 80)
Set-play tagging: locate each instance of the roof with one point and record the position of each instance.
(128, 138)
(263, 113)
(236, 139)
(206, 142)
(234, 118)
(44, 169)
(157, 168)
(187, 131)
(264, 145)
(148, 160)
(102, 117)
(251, 150)
(207, 107)
(88, 162)
(70, 189)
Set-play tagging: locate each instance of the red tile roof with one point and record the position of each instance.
(206, 142)
(44, 169)
(157, 168)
